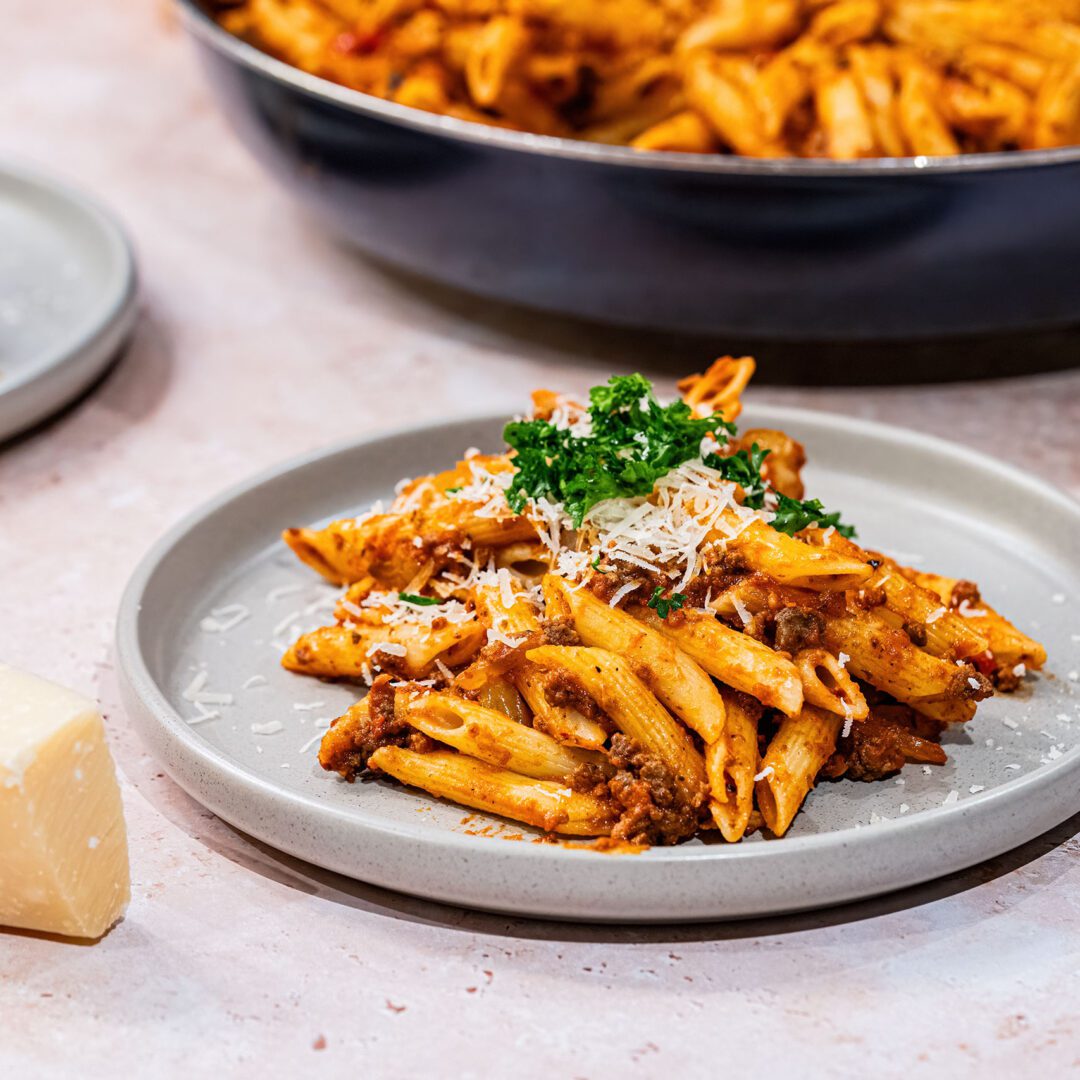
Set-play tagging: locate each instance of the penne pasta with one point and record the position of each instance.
(792, 761)
(1006, 644)
(737, 660)
(887, 659)
(842, 79)
(946, 634)
(503, 696)
(609, 680)
(827, 685)
(731, 762)
(543, 804)
(789, 561)
(341, 652)
(563, 722)
(493, 737)
(652, 599)
(673, 677)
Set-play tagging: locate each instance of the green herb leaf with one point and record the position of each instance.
(743, 468)
(793, 515)
(453, 490)
(664, 606)
(631, 442)
(420, 601)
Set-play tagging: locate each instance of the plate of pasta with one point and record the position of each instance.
(620, 658)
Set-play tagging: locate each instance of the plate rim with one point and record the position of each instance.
(144, 691)
(86, 350)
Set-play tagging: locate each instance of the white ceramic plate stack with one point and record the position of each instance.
(67, 296)
(213, 605)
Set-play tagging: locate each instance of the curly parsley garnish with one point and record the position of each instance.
(633, 440)
(743, 468)
(630, 443)
(419, 601)
(793, 515)
(665, 605)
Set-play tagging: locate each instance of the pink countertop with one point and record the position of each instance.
(260, 339)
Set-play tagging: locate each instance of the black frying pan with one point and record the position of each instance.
(700, 244)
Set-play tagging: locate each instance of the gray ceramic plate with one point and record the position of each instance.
(1014, 770)
(67, 296)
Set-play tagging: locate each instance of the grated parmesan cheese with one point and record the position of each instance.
(271, 727)
(389, 647)
(742, 610)
(223, 619)
(622, 591)
(767, 771)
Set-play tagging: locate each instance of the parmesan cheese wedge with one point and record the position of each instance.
(63, 845)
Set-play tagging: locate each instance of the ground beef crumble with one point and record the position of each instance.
(799, 628)
(651, 807)
(884, 742)
(355, 736)
(964, 590)
(560, 632)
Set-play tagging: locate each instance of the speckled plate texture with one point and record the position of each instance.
(215, 602)
(67, 296)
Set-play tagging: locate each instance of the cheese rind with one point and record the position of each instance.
(63, 845)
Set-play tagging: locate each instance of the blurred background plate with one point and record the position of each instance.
(782, 250)
(67, 296)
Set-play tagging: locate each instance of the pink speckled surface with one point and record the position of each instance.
(261, 339)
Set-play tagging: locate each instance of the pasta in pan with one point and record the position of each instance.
(763, 78)
(632, 626)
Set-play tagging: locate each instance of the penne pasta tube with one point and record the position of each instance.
(731, 764)
(353, 548)
(784, 464)
(845, 120)
(544, 804)
(827, 685)
(562, 722)
(873, 71)
(887, 659)
(719, 389)
(494, 49)
(737, 660)
(503, 696)
(791, 562)
(713, 89)
(609, 680)
(665, 668)
(338, 748)
(921, 122)
(947, 634)
(492, 737)
(341, 652)
(685, 133)
(1007, 645)
(792, 761)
